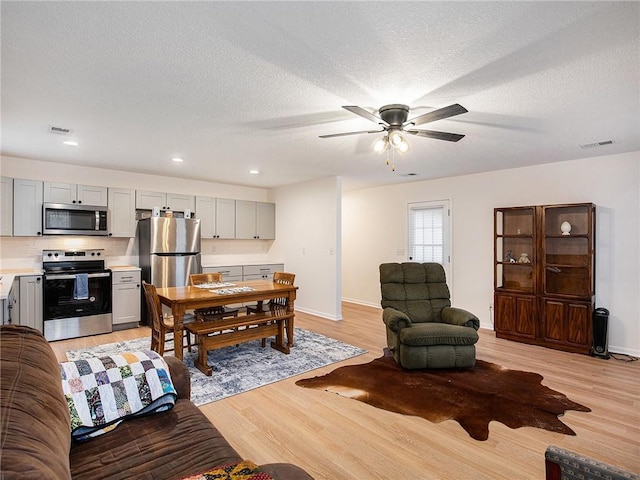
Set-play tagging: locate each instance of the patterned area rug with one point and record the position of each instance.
(245, 367)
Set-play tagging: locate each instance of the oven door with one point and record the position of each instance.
(69, 315)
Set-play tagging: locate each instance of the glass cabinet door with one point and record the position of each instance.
(514, 252)
(568, 250)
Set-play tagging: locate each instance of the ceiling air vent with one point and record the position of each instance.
(408, 174)
(597, 144)
(59, 130)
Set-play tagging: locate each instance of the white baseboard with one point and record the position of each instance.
(317, 313)
(360, 302)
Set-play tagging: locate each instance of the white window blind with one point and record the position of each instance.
(427, 232)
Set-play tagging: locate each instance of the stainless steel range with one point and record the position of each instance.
(77, 294)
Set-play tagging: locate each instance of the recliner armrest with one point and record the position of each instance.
(395, 319)
(458, 316)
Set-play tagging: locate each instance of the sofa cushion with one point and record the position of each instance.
(166, 445)
(35, 419)
(428, 334)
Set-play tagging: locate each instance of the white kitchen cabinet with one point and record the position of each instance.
(10, 306)
(217, 217)
(126, 295)
(239, 273)
(231, 273)
(122, 212)
(13, 302)
(58, 192)
(176, 202)
(27, 207)
(30, 302)
(261, 272)
(6, 206)
(255, 220)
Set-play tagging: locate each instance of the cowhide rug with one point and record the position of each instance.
(473, 397)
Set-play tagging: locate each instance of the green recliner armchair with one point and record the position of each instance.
(423, 329)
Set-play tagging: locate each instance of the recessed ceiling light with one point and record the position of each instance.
(254, 172)
(72, 143)
(177, 159)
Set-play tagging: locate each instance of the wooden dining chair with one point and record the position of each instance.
(276, 306)
(210, 313)
(160, 325)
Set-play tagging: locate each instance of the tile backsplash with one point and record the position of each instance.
(26, 252)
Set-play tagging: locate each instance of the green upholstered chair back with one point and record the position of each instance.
(416, 289)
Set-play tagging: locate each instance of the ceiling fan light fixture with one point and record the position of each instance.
(396, 138)
(403, 147)
(381, 144)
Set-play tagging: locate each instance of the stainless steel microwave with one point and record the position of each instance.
(67, 219)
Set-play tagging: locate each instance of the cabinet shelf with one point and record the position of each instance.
(579, 235)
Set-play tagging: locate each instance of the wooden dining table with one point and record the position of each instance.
(181, 299)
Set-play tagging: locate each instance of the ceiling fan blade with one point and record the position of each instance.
(449, 137)
(363, 113)
(439, 114)
(350, 133)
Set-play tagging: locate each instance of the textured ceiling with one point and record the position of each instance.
(233, 86)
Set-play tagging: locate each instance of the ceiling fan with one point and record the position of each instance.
(393, 120)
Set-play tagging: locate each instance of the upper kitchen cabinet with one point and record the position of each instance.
(6, 206)
(122, 212)
(255, 220)
(27, 207)
(177, 202)
(217, 217)
(57, 192)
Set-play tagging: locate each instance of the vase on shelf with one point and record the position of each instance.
(565, 227)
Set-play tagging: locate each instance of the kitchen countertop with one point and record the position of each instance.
(123, 268)
(239, 264)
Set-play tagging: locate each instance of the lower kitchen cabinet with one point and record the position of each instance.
(239, 273)
(23, 306)
(126, 298)
(261, 272)
(229, 273)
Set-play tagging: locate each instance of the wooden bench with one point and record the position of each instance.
(231, 331)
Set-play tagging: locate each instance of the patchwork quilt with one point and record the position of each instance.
(101, 392)
(245, 470)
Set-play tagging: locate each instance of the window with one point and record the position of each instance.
(429, 233)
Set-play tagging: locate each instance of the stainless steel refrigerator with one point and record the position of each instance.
(169, 250)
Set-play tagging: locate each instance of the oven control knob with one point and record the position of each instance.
(49, 254)
(55, 254)
(93, 254)
(98, 253)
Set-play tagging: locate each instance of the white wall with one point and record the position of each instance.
(309, 242)
(374, 227)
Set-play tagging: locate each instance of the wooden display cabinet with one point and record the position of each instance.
(544, 275)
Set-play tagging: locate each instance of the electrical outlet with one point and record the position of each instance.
(331, 251)
(400, 252)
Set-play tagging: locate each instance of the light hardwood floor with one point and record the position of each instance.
(337, 438)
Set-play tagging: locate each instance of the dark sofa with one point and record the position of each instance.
(35, 431)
